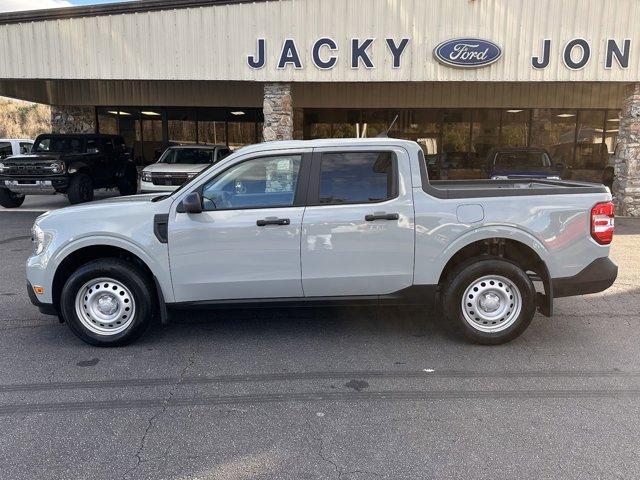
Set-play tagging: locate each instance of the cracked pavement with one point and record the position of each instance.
(352, 393)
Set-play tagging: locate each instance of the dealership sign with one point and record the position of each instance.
(467, 53)
(459, 53)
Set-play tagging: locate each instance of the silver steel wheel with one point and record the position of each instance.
(105, 306)
(491, 304)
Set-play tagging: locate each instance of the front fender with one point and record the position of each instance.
(156, 258)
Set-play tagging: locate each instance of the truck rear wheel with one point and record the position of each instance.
(80, 189)
(491, 301)
(107, 303)
(9, 199)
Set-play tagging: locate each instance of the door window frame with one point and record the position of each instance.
(313, 196)
(299, 196)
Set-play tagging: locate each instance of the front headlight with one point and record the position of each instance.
(146, 176)
(38, 239)
(553, 177)
(57, 167)
(499, 177)
(3, 168)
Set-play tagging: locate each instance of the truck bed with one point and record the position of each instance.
(507, 188)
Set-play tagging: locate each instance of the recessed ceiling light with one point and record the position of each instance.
(114, 112)
(566, 115)
(613, 120)
(237, 113)
(155, 114)
(613, 131)
(514, 111)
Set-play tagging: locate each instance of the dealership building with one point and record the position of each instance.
(463, 77)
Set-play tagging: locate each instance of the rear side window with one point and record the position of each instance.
(357, 177)
(5, 150)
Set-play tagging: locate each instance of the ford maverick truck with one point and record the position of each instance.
(325, 222)
(70, 164)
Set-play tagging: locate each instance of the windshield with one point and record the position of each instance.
(521, 160)
(58, 144)
(182, 156)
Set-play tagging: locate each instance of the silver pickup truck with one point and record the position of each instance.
(324, 222)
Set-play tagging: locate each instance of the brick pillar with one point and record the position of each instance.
(73, 119)
(278, 112)
(626, 186)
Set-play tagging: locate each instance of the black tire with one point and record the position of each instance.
(472, 326)
(139, 287)
(128, 184)
(8, 199)
(80, 189)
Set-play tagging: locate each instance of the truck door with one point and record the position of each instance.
(246, 242)
(358, 227)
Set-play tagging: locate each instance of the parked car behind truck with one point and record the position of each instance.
(514, 163)
(325, 221)
(179, 164)
(73, 165)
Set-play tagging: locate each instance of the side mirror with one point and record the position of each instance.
(192, 203)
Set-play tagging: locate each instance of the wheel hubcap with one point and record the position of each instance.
(491, 303)
(105, 306)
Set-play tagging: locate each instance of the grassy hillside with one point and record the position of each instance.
(20, 119)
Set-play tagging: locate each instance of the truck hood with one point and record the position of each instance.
(34, 158)
(176, 167)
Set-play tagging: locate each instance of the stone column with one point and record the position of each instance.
(626, 185)
(278, 112)
(73, 119)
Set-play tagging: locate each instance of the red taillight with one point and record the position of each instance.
(602, 222)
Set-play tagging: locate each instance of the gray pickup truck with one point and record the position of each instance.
(325, 222)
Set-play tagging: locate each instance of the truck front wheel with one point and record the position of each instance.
(491, 301)
(8, 199)
(80, 189)
(107, 303)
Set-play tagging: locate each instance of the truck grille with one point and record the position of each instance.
(169, 179)
(27, 169)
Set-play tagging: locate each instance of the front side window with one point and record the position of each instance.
(357, 177)
(5, 150)
(25, 147)
(58, 144)
(258, 183)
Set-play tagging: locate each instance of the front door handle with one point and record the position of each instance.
(382, 216)
(273, 221)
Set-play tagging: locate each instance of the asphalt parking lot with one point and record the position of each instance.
(351, 393)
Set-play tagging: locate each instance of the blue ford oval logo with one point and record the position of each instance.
(467, 52)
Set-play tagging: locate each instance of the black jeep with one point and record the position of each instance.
(73, 165)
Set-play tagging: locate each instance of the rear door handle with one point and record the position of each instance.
(273, 221)
(382, 216)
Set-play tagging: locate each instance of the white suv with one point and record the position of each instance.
(14, 146)
(178, 164)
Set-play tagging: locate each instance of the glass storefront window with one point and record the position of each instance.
(515, 127)
(152, 144)
(555, 130)
(107, 122)
(612, 125)
(485, 134)
(589, 158)
(421, 126)
(182, 125)
(455, 163)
